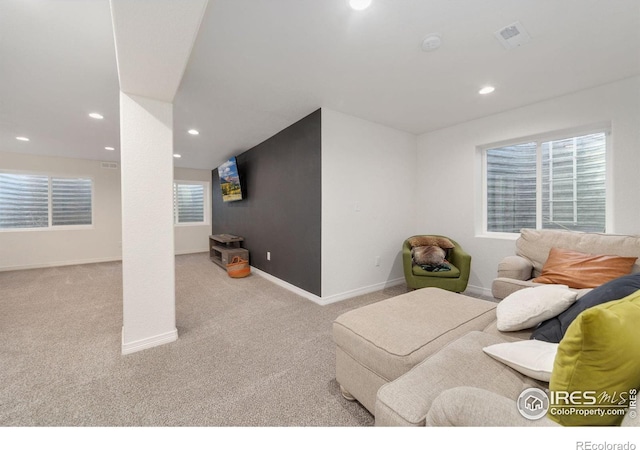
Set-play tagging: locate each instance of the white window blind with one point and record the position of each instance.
(573, 183)
(511, 188)
(189, 202)
(24, 201)
(547, 184)
(71, 201)
(40, 201)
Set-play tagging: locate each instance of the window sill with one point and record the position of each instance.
(503, 236)
(191, 224)
(56, 228)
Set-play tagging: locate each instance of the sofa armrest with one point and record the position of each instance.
(474, 407)
(515, 267)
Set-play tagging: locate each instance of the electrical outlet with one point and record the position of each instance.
(268, 256)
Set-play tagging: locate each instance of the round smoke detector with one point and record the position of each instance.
(431, 42)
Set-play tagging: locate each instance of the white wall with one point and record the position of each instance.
(194, 238)
(30, 249)
(368, 203)
(449, 172)
(27, 249)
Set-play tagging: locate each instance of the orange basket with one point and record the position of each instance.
(238, 268)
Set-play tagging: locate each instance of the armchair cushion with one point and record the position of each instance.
(453, 272)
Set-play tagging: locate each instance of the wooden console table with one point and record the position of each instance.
(223, 247)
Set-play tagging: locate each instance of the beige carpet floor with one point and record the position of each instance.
(249, 353)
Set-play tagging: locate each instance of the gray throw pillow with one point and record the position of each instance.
(554, 329)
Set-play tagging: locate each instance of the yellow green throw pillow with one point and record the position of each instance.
(597, 366)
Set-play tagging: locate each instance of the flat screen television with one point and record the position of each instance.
(230, 181)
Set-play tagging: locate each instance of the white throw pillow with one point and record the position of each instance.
(528, 307)
(531, 358)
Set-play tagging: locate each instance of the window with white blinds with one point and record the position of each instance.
(547, 184)
(41, 201)
(71, 201)
(511, 188)
(24, 201)
(189, 200)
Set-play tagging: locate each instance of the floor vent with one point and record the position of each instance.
(512, 36)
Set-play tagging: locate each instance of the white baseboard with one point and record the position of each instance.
(83, 261)
(288, 286)
(153, 341)
(189, 252)
(59, 264)
(331, 298)
(361, 291)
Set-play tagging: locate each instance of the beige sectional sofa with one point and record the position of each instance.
(380, 342)
(532, 249)
(418, 359)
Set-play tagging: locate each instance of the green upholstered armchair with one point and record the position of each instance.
(454, 280)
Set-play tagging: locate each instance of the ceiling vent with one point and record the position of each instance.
(512, 36)
(108, 165)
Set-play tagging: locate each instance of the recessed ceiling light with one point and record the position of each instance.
(22, 138)
(109, 148)
(194, 132)
(177, 155)
(359, 5)
(96, 116)
(486, 90)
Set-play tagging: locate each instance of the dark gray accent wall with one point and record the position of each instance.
(281, 207)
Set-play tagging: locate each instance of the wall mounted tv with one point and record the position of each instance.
(230, 181)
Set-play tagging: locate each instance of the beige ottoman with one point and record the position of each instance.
(377, 343)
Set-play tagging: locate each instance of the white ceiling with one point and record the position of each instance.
(257, 66)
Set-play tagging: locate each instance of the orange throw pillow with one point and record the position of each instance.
(581, 270)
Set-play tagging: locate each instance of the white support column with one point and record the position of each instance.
(148, 263)
(153, 43)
